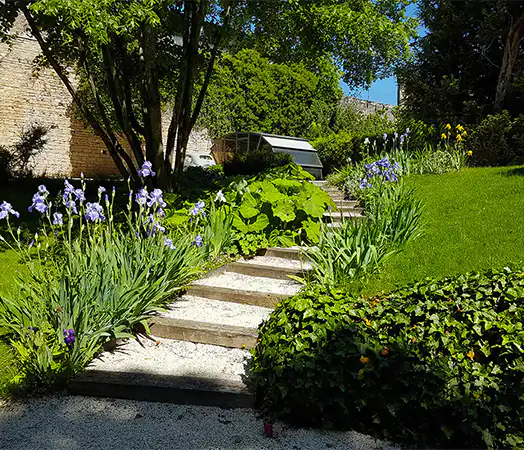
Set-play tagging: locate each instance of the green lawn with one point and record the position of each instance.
(473, 220)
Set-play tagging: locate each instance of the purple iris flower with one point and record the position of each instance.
(155, 198)
(72, 206)
(364, 184)
(69, 336)
(79, 194)
(101, 190)
(199, 242)
(39, 203)
(141, 197)
(68, 191)
(43, 190)
(6, 209)
(94, 212)
(58, 219)
(197, 208)
(146, 170)
(169, 243)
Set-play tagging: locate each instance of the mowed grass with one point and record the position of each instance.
(473, 220)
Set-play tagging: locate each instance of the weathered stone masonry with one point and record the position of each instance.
(27, 98)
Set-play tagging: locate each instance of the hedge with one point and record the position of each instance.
(439, 363)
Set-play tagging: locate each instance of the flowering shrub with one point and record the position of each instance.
(436, 364)
(109, 278)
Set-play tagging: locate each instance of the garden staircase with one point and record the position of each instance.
(197, 352)
(346, 209)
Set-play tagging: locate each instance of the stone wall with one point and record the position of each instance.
(40, 98)
(367, 107)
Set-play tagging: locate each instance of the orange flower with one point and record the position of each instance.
(364, 359)
(385, 351)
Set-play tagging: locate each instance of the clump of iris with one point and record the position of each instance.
(382, 169)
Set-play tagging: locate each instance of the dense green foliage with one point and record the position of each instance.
(129, 66)
(472, 222)
(250, 93)
(344, 140)
(497, 140)
(466, 66)
(438, 363)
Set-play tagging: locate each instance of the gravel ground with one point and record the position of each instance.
(278, 262)
(200, 309)
(177, 358)
(235, 280)
(64, 422)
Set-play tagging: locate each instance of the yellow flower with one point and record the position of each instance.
(448, 127)
(368, 323)
(470, 153)
(364, 359)
(460, 127)
(470, 354)
(459, 137)
(464, 133)
(443, 136)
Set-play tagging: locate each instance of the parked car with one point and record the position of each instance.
(199, 160)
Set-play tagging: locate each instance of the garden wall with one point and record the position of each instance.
(27, 97)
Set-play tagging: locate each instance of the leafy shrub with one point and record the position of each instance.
(345, 143)
(278, 208)
(497, 140)
(439, 363)
(251, 93)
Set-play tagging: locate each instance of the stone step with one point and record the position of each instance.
(204, 332)
(347, 203)
(246, 289)
(167, 370)
(208, 321)
(349, 209)
(339, 216)
(294, 253)
(262, 266)
(338, 198)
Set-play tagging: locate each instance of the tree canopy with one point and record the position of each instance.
(469, 64)
(250, 93)
(136, 58)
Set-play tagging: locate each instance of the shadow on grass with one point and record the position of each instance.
(513, 172)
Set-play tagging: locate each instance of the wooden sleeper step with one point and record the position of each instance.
(267, 300)
(204, 332)
(264, 270)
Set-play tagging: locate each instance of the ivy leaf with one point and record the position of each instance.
(285, 210)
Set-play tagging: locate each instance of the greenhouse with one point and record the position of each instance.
(301, 150)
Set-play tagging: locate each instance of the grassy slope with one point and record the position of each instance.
(473, 220)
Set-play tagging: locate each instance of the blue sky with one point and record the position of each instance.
(383, 91)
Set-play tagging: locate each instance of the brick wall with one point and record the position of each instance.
(27, 98)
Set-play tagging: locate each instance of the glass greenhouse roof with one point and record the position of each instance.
(301, 150)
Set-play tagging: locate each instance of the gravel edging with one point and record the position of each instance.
(62, 422)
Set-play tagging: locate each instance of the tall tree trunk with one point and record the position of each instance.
(152, 107)
(509, 58)
(112, 144)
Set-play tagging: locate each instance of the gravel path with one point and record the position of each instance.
(278, 262)
(248, 283)
(200, 309)
(168, 357)
(64, 422)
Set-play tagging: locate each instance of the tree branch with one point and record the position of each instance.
(63, 77)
